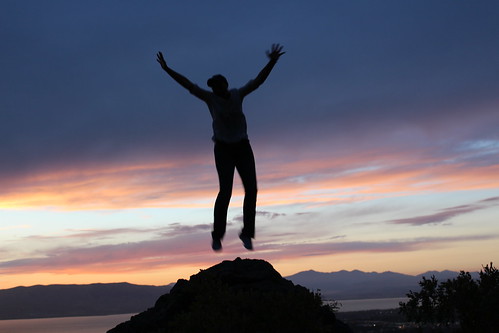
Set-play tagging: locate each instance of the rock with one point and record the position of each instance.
(236, 296)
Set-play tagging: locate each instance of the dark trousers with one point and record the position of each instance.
(229, 157)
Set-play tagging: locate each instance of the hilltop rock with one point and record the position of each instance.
(236, 296)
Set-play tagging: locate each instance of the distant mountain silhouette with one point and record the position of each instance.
(361, 285)
(77, 300)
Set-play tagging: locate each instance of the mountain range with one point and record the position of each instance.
(118, 298)
(77, 300)
(356, 284)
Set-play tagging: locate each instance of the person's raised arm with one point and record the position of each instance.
(182, 80)
(274, 54)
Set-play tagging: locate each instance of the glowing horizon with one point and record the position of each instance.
(147, 253)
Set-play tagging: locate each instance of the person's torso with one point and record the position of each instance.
(229, 122)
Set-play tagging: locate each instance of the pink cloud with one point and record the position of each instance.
(313, 177)
(446, 214)
(192, 247)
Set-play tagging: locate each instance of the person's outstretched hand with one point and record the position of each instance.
(161, 60)
(275, 52)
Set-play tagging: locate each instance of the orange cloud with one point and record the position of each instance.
(129, 186)
(315, 180)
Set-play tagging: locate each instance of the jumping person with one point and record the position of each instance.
(232, 147)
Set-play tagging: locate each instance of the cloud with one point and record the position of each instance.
(314, 177)
(447, 213)
(264, 214)
(307, 249)
(175, 229)
(93, 234)
(436, 218)
(108, 187)
(149, 254)
(190, 246)
(491, 201)
(169, 231)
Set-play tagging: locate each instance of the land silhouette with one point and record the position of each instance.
(122, 298)
(236, 296)
(76, 300)
(246, 293)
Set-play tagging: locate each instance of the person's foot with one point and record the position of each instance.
(248, 244)
(216, 244)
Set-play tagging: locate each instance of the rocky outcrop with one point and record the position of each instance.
(236, 296)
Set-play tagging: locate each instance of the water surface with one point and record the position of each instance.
(370, 304)
(95, 324)
(101, 324)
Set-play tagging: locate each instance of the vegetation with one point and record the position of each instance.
(471, 304)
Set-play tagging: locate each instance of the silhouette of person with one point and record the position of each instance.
(232, 147)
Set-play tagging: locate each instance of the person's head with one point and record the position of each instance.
(218, 83)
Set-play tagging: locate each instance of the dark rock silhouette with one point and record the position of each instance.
(236, 296)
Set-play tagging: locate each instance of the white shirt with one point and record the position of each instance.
(229, 122)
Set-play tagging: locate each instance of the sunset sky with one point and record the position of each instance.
(376, 137)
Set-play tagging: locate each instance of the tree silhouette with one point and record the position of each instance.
(473, 304)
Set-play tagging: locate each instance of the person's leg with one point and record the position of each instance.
(225, 169)
(245, 165)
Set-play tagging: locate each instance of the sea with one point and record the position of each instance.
(101, 324)
(350, 305)
(96, 324)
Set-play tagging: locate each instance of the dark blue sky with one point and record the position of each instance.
(79, 81)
